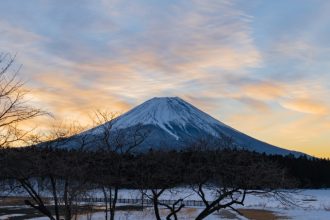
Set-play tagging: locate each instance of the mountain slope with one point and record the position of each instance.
(167, 113)
(172, 123)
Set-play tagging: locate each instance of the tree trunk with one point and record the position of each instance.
(155, 203)
(206, 212)
(113, 203)
(105, 194)
(34, 195)
(142, 200)
(67, 215)
(174, 212)
(156, 209)
(40, 208)
(53, 182)
(201, 216)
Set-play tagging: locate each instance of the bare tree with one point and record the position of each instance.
(22, 167)
(157, 172)
(229, 176)
(14, 108)
(47, 167)
(116, 142)
(64, 174)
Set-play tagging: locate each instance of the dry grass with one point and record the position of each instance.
(14, 201)
(190, 211)
(227, 214)
(259, 214)
(11, 201)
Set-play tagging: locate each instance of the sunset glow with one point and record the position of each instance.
(261, 67)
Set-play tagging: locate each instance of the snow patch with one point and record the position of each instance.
(162, 112)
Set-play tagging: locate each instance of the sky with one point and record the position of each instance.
(260, 66)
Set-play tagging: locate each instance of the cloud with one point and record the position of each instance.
(264, 90)
(149, 46)
(144, 55)
(186, 38)
(301, 96)
(17, 38)
(67, 98)
(306, 106)
(255, 104)
(297, 49)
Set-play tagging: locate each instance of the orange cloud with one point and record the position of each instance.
(62, 96)
(307, 133)
(306, 106)
(264, 91)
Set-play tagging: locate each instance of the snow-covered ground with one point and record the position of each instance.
(312, 199)
(303, 205)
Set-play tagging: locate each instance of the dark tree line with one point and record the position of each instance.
(66, 175)
(310, 172)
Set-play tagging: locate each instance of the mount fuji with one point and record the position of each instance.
(171, 123)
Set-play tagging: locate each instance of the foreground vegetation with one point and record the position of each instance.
(67, 175)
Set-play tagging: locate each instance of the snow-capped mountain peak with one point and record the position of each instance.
(165, 112)
(172, 123)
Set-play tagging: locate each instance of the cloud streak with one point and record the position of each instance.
(306, 106)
